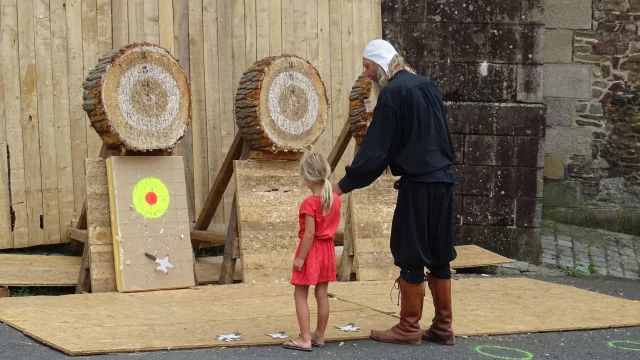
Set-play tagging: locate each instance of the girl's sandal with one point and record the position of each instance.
(314, 343)
(295, 346)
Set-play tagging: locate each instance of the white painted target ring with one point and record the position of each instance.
(148, 73)
(288, 125)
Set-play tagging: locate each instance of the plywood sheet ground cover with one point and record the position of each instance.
(192, 318)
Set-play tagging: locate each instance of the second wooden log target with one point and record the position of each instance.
(281, 104)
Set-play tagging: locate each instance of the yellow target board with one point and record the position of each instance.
(151, 197)
(150, 223)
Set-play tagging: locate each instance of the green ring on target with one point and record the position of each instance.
(613, 345)
(528, 355)
(151, 197)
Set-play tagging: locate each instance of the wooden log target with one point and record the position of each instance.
(281, 104)
(359, 119)
(138, 97)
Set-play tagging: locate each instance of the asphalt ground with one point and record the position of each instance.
(622, 343)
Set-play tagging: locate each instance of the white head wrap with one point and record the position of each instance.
(380, 52)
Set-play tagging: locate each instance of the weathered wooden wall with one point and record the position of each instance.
(48, 47)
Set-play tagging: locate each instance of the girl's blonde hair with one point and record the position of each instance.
(315, 168)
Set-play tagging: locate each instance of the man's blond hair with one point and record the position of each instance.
(397, 64)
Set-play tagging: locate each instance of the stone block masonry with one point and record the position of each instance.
(487, 57)
(591, 85)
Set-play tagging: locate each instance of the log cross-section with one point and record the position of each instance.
(138, 97)
(281, 104)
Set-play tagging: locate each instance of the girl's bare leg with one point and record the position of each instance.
(302, 310)
(322, 297)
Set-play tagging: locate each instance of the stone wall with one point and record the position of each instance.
(487, 57)
(591, 84)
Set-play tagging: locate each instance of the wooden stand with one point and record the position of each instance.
(80, 234)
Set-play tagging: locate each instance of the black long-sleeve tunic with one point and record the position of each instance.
(408, 133)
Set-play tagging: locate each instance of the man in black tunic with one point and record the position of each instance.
(409, 134)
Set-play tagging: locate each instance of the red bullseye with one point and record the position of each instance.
(151, 198)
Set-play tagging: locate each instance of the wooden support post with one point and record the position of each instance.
(228, 268)
(340, 146)
(218, 189)
(84, 277)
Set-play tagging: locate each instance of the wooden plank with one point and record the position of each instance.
(288, 27)
(337, 91)
(266, 155)
(211, 78)
(313, 49)
(6, 238)
(151, 29)
(90, 54)
(250, 33)
(30, 120)
(212, 238)
(229, 126)
(50, 222)
(76, 234)
(83, 284)
(348, 76)
(367, 31)
(77, 117)
(165, 23)
(64, 160)
(181, 46)
(4, 292)
(120, 21)
(340, 146)
(228, 268)
(38, 270)
(105, 28)
(325, 142)
(136, 21)
(275, 27)
(376, 14)
(346, 260)
(300, 28)
(219, 186)
(262, 29)
(358, 20)
(198, 95)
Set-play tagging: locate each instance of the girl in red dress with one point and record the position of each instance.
(315, 258)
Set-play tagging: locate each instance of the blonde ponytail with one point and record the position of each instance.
(327, 197)
(315, 168)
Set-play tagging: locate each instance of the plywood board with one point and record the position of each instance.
(269, 197)
(38, 270)
(474, 256)
(507, 306)
(106, 323)
(148, 198)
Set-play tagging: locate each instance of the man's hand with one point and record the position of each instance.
(297, 264)
(337, 190)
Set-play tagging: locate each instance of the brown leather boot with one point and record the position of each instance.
(440, 330)
(407, 331)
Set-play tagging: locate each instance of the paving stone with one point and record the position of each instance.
(566, 261)
(564, 241)
(627, 251)
(581, 247)
(549, 260)
(549, 239)
(616, 273)
(596, 252)
(560, 112)
(558, 46)
(598, 259)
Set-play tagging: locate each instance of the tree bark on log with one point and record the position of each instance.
(281, 104)
(359, 119)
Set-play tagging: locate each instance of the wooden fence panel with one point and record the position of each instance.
(48, 47)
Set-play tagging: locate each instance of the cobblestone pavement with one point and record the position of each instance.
(590, 251)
